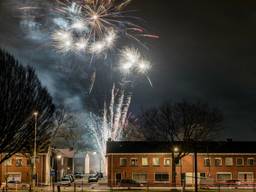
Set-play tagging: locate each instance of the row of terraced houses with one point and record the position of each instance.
(150, 162)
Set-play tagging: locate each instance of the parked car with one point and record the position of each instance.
(15, 185)
(65, 181)
(72, 179)
(93, 178)
(232, 183)
(99, 174)
(129, 183)
(210, 184)
(79, 175)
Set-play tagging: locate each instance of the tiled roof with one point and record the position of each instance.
(189, 147)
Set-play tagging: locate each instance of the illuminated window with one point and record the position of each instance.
(144, 161)
(134, 162)
(8, 162)
(156, 161)
(167, 161)
(228, 161)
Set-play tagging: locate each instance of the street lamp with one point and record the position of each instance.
(35, 114)
(59, 156)
(176, 149)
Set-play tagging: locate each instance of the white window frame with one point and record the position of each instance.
(153, 161)
(250, 158)
(140, 174)
(247, 173)
(226, 161)
(169, 176)
(218, 158)
(136, 162)
(21, 159)
(142, 162)
(8, 162)
(10, 177)
(169, 160)
(207, 158)
(219, 173)
(242, 161)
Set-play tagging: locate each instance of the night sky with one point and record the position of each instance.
(206, 52)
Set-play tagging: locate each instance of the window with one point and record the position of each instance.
(18, 162)
(134, 162)
(144, 161)
(218, 162)
(228, 161)
(167, 161)
(161, 177)
(224, 176)
(202, 175)
(8, 162)
(239, 161)
(207, 162)
(245, 176)
(250, 161)
(123, 162)
(156, 161)
(140, 177)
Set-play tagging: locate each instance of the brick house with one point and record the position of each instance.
(151, 162)
(18, 168)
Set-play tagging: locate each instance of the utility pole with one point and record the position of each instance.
(195, 164)
(34, 152)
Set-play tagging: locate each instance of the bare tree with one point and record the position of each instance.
(131, 131)
(70, 133)
(182, 121)
(22, 94)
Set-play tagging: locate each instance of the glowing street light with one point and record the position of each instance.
(35, 114)
(59, 156)
(176, 149)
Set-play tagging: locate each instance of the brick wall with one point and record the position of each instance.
(221, 167)
(18, 167)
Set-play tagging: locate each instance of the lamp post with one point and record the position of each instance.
(35, 114)
(195, 167)
(59, 167)
(174, 150)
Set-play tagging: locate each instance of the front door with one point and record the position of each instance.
(118, 178)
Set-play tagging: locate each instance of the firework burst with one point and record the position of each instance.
(99, 23)
(132, 62)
